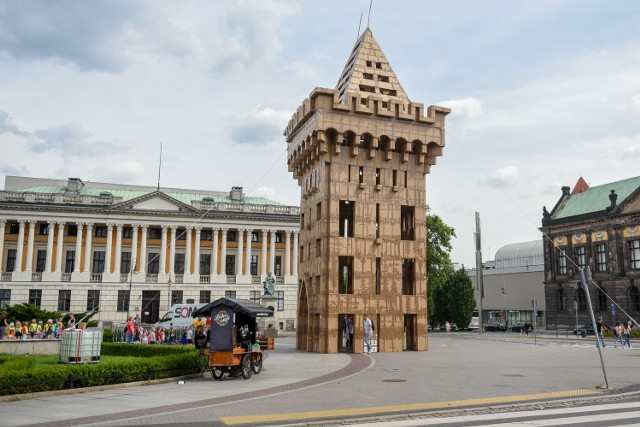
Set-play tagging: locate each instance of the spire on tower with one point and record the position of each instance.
(368, 73)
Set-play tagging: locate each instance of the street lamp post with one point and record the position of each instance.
(169, 283)
(506, 319)
(133, 267)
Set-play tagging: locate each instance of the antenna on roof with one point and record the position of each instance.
(359, 25)
(160, 166)
(369, 16)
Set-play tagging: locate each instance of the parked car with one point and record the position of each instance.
(584, 330)
(517, 327)
(499, 327)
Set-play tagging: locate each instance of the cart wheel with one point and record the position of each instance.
(246, 366)
(216, 373)
(257, 363)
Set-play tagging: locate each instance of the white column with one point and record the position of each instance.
(287, 254)
(51, 230)
(163, 251)
(87, 249)
(134, 243)
(20, 247)
(2, 225)
(142, 262)
(247, 262)
(263, 267)
(118, 260)
(108, 248)
(78, 254)
(272, 253)
(32, 233)
(172, 251)
(60, 247)
(187, 251)
(214, 254)
(240, 235)
(223, 253)
(295, 254)
(196, 253)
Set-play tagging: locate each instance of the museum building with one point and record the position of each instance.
(73, 246)
(599, 227)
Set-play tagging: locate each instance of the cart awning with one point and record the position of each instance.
(243, 306)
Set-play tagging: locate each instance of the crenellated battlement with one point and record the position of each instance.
(370, 105)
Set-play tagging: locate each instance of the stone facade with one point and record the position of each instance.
(597, 227)
(72, 246)
(360, 153)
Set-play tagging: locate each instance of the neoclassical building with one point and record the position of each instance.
(599, 227)
(360, 153)
(74, 246)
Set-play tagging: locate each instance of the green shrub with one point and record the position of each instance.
(121, 363)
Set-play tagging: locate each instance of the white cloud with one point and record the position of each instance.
(266, 192)
(120, 172)
(501, 178)
(304, 70)
(463, 108)
(261, 125)
(247, 36)
(635, 105)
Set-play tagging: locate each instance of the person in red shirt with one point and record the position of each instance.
(130, 330)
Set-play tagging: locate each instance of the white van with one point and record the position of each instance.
(179, 316)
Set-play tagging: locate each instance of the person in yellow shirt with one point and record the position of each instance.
(198, 322)
(33, 328)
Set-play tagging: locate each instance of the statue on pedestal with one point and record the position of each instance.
(269, 285)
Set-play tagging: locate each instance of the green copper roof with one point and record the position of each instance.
(595, 199)
(129, 194)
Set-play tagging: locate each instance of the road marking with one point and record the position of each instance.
(352, 412)
(515, 416)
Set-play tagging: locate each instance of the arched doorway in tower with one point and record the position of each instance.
(302, 335)
(345, 333)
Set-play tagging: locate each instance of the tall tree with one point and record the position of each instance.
(462, 297)
(439, 266)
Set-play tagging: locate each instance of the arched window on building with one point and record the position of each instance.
(562, 300)
(634, 299)
(601, 299)
(582, 300)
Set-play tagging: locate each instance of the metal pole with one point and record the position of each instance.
(133, 266)
(479, 273)
(583, 279)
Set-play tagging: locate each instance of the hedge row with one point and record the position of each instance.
(20, 374)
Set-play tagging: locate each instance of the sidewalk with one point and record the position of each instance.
(297, 386)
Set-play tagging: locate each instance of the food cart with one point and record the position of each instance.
(233, 347)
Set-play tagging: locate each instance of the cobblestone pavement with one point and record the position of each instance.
(460, 371)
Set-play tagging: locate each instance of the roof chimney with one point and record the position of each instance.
(236, 193)
(613, 198)
(74, 184)
(566, 190)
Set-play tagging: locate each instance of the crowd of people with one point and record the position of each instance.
(35, 329)
(138, 334)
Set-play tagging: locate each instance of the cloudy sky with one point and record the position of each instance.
(542, 92)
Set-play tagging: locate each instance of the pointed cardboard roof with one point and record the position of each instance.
(580, 186)
(368, 72)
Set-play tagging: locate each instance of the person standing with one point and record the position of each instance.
(626, 331)
(130, 330)
(72, 321)
(3, 323)
(368, 331)
(350, 332)
(599, 327)
(617, 335)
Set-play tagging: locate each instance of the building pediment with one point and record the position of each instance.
(155, 201)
